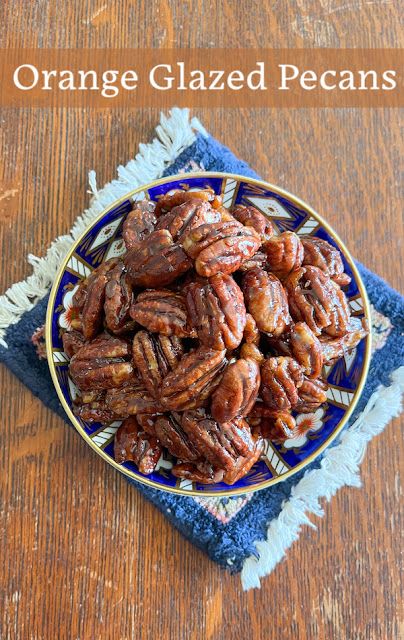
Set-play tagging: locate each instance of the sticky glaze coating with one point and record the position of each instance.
(207, 336)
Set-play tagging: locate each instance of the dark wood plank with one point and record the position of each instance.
(84, 556)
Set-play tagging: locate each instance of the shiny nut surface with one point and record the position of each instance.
(266, 301)
(193, 380)
(162, 311)
(217, 312)
(220, 247)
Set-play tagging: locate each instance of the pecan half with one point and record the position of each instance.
(279, 426)
(216, 310)
(258, 260)
(312, 394)
(251, 217)
(92, 315)
(237, 390)
(340, 314)
(155, 356)
(220, 247)
(306, 349)
(243, 464)
(156, 261)
(72, 342)
(220, 444)
(251, 333)
(266, 301)
(162, 311)
(284, 253)
(315, 299)
(80, 295)
(193, 380)
(131, 400)
(118, 298)
(170, 200)
(187, 216)
(251, 351)
(281, 378)
(131, 443)
(172, 436)
(91, 407)
(320, 253)
(139, 223)
(204, 473)
(251, 336)
(102, 363)
(335, 348)
(147, 421)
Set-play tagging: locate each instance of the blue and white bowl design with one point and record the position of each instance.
(103, 240)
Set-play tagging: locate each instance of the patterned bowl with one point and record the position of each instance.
(346, 378)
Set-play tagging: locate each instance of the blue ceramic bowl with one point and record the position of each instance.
(346, 378)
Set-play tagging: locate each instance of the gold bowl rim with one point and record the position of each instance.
(192, 492)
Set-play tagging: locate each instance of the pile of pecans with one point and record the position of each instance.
(206, 335)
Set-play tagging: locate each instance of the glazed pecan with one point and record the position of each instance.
(335, 348)
(251, 217)
(172, 436)
(174, 199)
(251, 336)
(131, 443)
(237, 390)
(102, 363)
(220, 247)
(72, 342)
(243, 465)
(252, 352)
(284, 253)
(139, 223)
(216, 310)
(281, 378)
(187, 216)
(312, 394)
(266, 301)
(251, 333)
(193, 380)
(147, 422)
(131, 400)
(155, 356)
(93, 306)
(225, 215)
(306, 349)
(221, 444)
(90, 406)
(203, 472)
(315, 299)
(340, 314)
(162, 311)
(279, 426)
(320, 253)
(118, 298)
(258, 260)
(80, 295)
(156, 261)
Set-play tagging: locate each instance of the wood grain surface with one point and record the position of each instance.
(83, 555)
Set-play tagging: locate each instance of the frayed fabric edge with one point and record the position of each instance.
(175, 133)
(339, 467)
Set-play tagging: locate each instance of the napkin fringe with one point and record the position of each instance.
(173, 135)
(339, 467)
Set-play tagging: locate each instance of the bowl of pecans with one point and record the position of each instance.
(208, 334)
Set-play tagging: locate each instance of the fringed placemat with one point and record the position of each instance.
(248, 534)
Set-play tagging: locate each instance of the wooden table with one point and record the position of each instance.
(84, 556)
